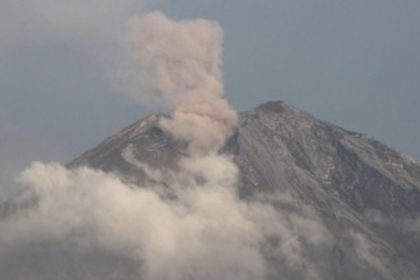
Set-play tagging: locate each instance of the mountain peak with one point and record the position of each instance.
(274, 105)
(280, 107)
(143, 125)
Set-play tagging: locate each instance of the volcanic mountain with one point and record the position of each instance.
(360, 198)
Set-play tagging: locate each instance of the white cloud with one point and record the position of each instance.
(367, 252)
(201, 231)
(204, 234)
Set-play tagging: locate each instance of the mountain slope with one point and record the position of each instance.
(317, 175)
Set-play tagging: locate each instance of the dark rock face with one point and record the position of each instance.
(364, 192)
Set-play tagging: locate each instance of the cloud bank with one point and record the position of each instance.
(206, 233)
(200, 230)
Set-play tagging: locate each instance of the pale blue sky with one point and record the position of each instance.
(354, 63)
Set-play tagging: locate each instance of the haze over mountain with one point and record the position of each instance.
(347, 204)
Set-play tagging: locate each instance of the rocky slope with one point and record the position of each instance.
(350, 200)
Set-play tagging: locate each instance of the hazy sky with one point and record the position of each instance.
(355, 63)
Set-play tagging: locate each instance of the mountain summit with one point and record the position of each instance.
(352, 202)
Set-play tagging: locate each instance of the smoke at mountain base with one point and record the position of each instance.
(205, 234)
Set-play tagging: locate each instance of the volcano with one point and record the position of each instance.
(366, 194)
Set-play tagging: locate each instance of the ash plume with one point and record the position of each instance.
(179, 63)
